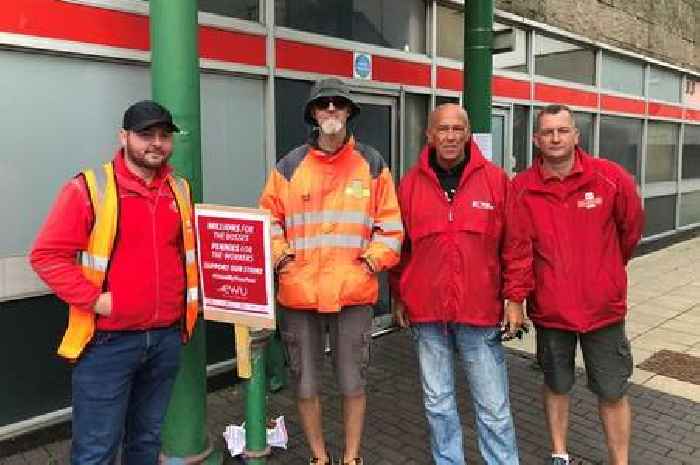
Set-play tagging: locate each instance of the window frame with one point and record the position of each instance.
(630, 60)
(315, 38)
(227, 23)
(648, 80)
(537, 33)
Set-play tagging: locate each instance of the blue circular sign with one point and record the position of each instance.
(363, 66)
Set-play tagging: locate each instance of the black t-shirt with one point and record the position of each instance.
(449, 178)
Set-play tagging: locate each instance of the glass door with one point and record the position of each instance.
(377, 125)
(501, 148)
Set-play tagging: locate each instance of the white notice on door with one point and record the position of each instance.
(485, 144)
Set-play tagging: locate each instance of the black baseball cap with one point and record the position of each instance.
(145, 114)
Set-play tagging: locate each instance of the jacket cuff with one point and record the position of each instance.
(371, 263)
(90, 306)
(284, 258)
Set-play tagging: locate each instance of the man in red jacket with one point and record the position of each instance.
(461, 258)
(584, 217)
(125, 363)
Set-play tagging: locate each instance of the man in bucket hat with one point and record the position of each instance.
(132, 292)
(335, 225)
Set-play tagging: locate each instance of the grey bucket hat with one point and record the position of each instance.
(330, 87)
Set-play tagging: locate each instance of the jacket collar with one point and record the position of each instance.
(130, 181)
(581, 174)
(547, 175)
(476, 162)
(435, 166)
(347, 148)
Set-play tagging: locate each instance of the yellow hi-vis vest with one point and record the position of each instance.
(94, 261)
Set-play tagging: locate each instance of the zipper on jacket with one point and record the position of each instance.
(436, 183)
(450, 213)
(155, 251)
(446, 312)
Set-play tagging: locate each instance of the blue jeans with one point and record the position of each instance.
(483, 360)
(121, 389)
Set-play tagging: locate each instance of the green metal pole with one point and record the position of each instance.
(478, 64)
(256, 448)
(175, 80)
(175, 84)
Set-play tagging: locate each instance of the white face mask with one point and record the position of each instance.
(331, 126)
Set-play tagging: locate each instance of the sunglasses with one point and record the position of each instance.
(338, 102)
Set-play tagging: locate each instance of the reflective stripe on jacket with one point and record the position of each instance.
(94, 260)
(461, 258)
(329, 212)
(583, 231)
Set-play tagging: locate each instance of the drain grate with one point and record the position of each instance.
(676, 365)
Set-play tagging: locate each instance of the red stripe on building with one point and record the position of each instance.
(399, 71)
(669, 111)
(59, 20)
(557, 94)
(506, 87)
(449, 79)
(452, 79)
(622, 104)
(232, 47)
(99, 26)
(313, 58)
(692, 115)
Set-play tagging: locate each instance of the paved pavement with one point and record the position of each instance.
(665, 314)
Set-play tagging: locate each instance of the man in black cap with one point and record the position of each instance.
(118, 248)
(335, 225)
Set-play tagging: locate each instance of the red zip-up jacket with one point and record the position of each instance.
(461, 258)
(146, 274)
(583, 230)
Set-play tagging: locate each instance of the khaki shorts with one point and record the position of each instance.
(303, 333)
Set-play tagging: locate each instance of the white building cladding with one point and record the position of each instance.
(70, 67)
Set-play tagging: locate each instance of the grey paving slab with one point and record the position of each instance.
(664, 288)
(665, 427)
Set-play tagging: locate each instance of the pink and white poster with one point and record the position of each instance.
(234, 259)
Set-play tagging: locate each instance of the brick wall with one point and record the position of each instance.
(665, 29)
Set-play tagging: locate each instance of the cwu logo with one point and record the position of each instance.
(233, 291)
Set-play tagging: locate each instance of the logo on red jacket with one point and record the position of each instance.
(482, 205)
(589, 201)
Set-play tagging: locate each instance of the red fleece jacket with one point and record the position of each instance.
(583, 230)
(461, 258)
(146, 273)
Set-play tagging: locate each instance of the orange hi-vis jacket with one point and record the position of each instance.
(94, 260)
(330, 212)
